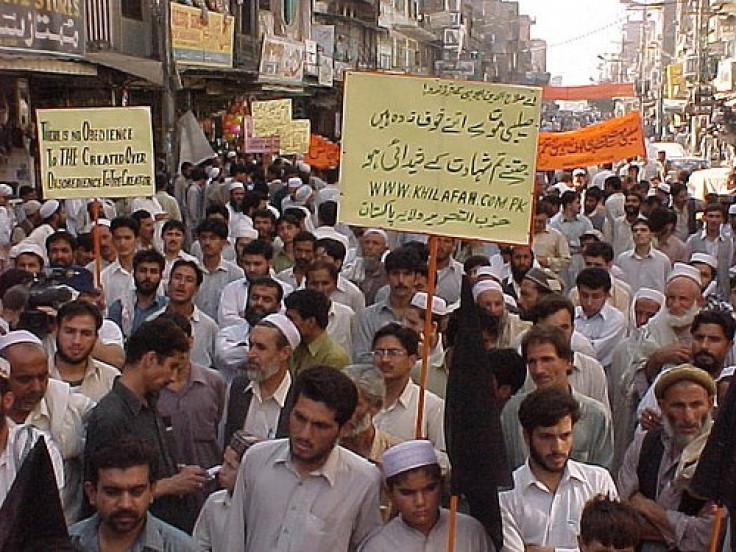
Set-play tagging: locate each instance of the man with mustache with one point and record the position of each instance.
(666, 338)
(363, 437)
(404, 267)
(306, 492)
(258, 401)
(713, 333)
(231, 343)
(121, 487)
(49, 405)
(542, 512)
(655, 469)
(296, 276)
(132, 308)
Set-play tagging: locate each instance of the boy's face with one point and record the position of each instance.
(229, 471)
(417, 499)
(592, 300)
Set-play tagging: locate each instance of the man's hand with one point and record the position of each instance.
(675, 353)
(650, 419)
(656, 528)
(190, 479)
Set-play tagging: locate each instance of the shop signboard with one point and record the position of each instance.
(436, 156)
(282, 60)
(96, 152)
(44, 27)
(199, 41)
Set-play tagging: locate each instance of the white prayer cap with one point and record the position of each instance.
(648, 293)
(91, 200)
(235, 185)
(232, 154)
(244, 230)
(303, 194)
(103, 222)
(597, 234)
(579, 172)
(212, 172)
(486, 285)
(439, 306)
(18, 336)
(27, 246)
(489, 271)
(727, 372)
(332, 234)
(294, 182)
(378, 232)
(732, 209)
(303, 167)
(685, 271)
(49, 208)
(663, 187)
(704, 258)
(286, 327)
(31, 206)
(6, 190)
(407, 456)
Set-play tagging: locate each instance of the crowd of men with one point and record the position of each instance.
(244, 373)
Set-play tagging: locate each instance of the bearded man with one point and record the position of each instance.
(259, 401)
(659, 463)
(362, 437)
(667, 338)
(231, 342)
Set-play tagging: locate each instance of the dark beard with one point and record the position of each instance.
(518, 273)
(253, 317)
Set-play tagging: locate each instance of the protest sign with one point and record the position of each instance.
(295, 137)
(268, 144)
(96, 152)
(589, 91)
(322, 154)
(269, 116)
(606, 142)
(436, 156)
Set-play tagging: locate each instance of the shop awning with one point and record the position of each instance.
(147, 69)
(38, 64)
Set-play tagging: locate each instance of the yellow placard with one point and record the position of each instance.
(295, 137)
(270, 116)
(436, 156)
(96, 152)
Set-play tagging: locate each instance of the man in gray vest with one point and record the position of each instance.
(259, 401)
(659, 463)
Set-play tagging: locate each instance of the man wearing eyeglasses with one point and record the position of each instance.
(395, 350)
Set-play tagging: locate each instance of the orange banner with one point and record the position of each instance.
(589, 92)
(605, 142)
(323, 154)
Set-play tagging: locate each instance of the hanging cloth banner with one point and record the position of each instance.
(589, 92)
(605, 142)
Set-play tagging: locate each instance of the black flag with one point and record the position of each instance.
(472, 424)
(31, 518)
(715, 476)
